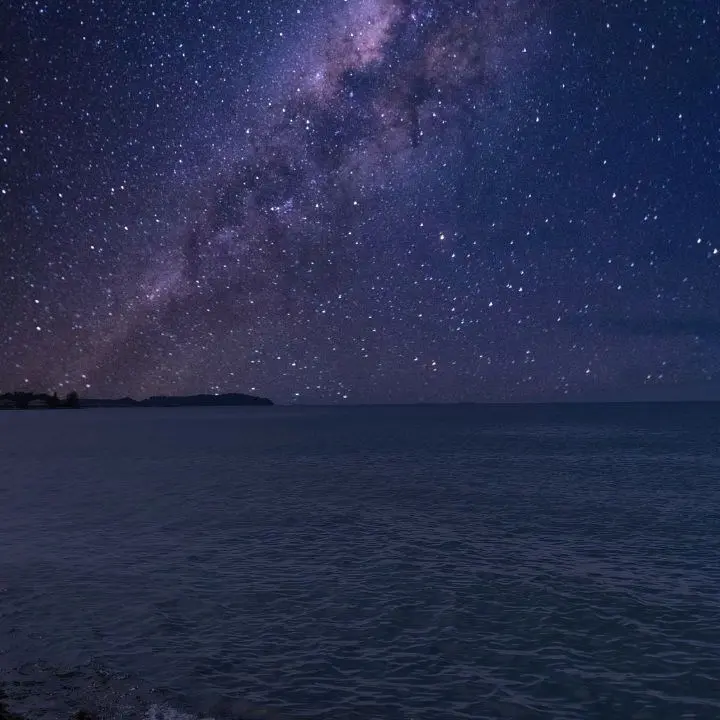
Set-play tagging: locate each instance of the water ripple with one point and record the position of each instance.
(389, 564)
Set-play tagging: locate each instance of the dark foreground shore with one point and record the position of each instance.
(6, 714)
(247, 714)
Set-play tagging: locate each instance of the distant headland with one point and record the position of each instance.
(33, 401)
(169, 401)
(29, 400)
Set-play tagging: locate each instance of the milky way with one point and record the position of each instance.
(393, 200)
(340, 138)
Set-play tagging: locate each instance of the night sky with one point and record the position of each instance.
(360, 200)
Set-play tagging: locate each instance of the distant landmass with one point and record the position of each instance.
(38, 401)
(226, 400)
(34, 401)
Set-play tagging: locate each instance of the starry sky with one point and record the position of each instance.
(360, 200)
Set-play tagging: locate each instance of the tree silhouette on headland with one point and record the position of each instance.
(72, 400)
(23, 400)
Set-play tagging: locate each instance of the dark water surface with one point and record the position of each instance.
(426, 562)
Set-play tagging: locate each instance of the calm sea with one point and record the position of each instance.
(362, 563)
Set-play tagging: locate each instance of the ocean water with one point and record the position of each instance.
(362, 563)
